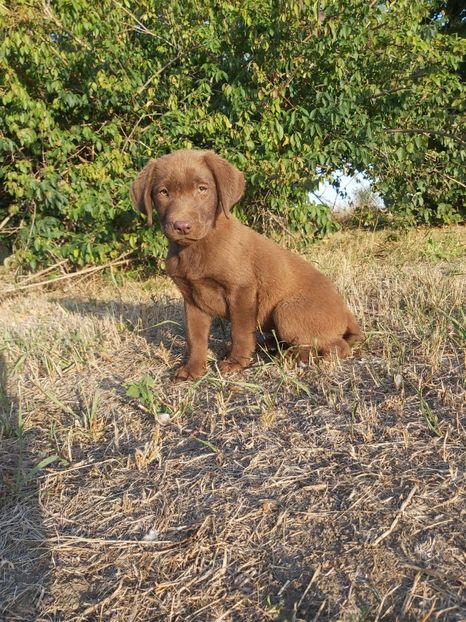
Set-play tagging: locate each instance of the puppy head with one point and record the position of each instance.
(189, 190)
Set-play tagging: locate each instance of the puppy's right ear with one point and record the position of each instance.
(141, 190)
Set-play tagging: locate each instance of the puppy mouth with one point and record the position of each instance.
(184, 239)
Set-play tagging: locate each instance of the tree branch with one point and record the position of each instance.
(420, 130)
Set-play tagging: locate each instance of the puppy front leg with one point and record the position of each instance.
(197, 338)
(243, 317)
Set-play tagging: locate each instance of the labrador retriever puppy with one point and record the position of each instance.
(226, 269)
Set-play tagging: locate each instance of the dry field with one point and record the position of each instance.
(334, 492)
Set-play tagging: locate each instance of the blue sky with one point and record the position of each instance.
(341, 199)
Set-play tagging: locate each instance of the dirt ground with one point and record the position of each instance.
(334, 492)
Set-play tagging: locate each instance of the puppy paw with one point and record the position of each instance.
(228, 366)
(188, 373)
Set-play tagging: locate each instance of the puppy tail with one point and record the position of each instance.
(353, 333)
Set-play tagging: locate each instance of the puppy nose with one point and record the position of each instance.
(182, 226)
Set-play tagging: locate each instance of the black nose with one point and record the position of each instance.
(182, 226)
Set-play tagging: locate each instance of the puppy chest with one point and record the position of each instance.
(206, 294)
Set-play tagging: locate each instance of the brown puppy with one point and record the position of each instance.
(225, 269)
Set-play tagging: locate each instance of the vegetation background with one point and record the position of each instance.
(288, 91)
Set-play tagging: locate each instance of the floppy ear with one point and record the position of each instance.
(228, 179)
(141, 189)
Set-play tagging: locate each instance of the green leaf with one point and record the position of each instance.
(133, 391)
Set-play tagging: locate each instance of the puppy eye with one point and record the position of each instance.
(202, 188)
(164, 192)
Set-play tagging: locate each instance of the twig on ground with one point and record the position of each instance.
(35, 275)
(5, 221)
(403, 507)
(86, 271)
(313, 578)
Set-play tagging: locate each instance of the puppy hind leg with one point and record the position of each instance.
(353, 333)
(307, 330)
(293, 329)
(307, 354)
(338, 347)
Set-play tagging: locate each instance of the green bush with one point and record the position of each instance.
(289, 91)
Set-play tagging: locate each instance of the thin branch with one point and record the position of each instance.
(157, 73)
(141, 25)
(31, 277)
(456, 181)
(279, 223)
(387, 93)
(5, 221)
(86, 271)
(48, 11)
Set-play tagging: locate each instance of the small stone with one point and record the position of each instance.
(151, 536)
(163, 417)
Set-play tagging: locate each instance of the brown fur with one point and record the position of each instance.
(226, 269)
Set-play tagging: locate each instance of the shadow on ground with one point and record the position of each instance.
(158, 322)
(24, 556)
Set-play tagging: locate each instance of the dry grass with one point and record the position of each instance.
(329, 493)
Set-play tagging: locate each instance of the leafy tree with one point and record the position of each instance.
(289, 91)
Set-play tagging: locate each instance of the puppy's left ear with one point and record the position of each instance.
(228, 179)
(141, 190)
